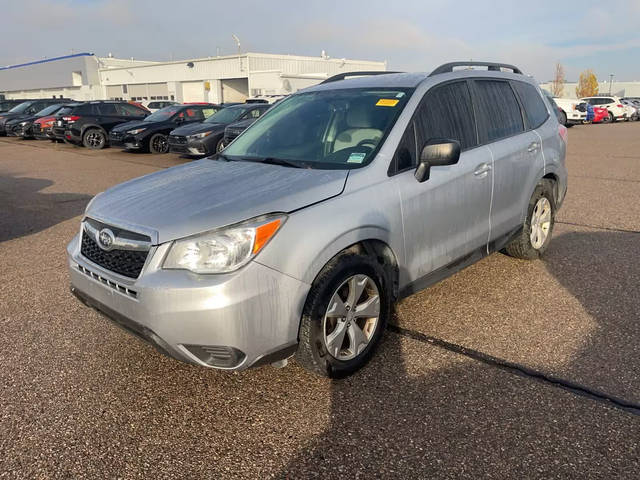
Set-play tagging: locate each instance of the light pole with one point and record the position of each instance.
(610, 82)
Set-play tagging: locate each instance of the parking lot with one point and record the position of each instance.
(509, 369)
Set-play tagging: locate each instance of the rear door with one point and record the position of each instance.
(110, 116)
(447, 216)
(501, 126)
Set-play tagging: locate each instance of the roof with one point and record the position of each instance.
(46, 60)
(390, 80)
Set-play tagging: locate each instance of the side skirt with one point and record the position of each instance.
(458, 264)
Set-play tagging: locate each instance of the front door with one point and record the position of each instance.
(445, 217)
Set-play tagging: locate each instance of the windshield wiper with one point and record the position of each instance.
(278, 161)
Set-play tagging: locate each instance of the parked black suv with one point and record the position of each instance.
(6, 105)
(235, 129)
(206, 138)
(151, 133)
(89, 123)
(20, 125)
(26, 109)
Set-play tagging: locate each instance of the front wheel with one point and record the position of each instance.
(534, 239)
(345, 315)
(159, 143)
(220, 145)
(94, 139)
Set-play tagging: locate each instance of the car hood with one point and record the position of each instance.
(123, 127)
(194, 128)
(20, 118)
(5, 117)
(207, 194)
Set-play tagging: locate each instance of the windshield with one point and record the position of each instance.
(226, 115)
(326, 129)
(21, 107)
(48, 110)
(163, 114)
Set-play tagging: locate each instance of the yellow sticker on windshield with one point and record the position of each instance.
(387, 102)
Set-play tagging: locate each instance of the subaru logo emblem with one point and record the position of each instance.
(106, 239)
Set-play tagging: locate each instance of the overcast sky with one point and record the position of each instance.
(412, 35)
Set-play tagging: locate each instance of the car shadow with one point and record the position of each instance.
(421, 412)
(600, 269)
(25, 209)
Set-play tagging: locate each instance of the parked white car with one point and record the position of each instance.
(617, 110)
(634, 108)
(569, 114)
(155, 105)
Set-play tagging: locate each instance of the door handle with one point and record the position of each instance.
(482, 170)
(533, 147)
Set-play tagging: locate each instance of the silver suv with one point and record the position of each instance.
(341, 199)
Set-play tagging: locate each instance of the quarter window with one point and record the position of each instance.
(534, 108)
(499, 110)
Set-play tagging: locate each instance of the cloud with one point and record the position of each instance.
(414, 35)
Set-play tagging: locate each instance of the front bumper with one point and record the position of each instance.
(253, 313)
(576, 116)
(126, 141)
(185, 146)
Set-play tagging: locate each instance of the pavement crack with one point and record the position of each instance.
(521, 370)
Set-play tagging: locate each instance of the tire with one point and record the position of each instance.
(220, 145)
(94, 139)
(318, 323)
(611, 118)
(562, 118)
(159, 143)
(524, 246)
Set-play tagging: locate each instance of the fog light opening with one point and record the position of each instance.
(216, 355)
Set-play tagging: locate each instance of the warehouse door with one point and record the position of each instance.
(235, 89)
(114, 92)
(192, 91)
(158, 91)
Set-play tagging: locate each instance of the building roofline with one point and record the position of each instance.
(46, 60)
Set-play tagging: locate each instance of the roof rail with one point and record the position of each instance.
(342, 76)
(492, 67)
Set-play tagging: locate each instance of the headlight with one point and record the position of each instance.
(223, 250)
(22, 124)
(136, 131)
(199, 135)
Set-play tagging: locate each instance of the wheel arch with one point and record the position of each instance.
(91, 126)
(370, 241)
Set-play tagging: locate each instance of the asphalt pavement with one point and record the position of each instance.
(508, 369)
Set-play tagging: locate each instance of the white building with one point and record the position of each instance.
(230, 78)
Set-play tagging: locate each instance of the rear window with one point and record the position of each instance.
(534, 108)
(499, 110)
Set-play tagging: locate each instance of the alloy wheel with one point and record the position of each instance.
(540, 223)
(351, 317)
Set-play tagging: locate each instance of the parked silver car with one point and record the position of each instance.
(341, 199)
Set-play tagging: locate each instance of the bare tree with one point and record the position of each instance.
(557, 86)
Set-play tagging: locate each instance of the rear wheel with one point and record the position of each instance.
(538, 226)
(94, 139)
(562, 118)
(159, 143)
(609, 118)
(344, 317)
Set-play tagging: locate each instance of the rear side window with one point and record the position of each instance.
(534, 109)
(108, 109)
(446, 112)
(87, 109)
(499, 110)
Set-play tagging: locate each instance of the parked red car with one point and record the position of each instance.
(599, 114)
(41, 126)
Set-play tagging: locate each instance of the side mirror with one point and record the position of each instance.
(437, 152)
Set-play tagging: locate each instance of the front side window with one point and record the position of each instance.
(499, 110)
(335, 129)
(534, 108)
(447, 112)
